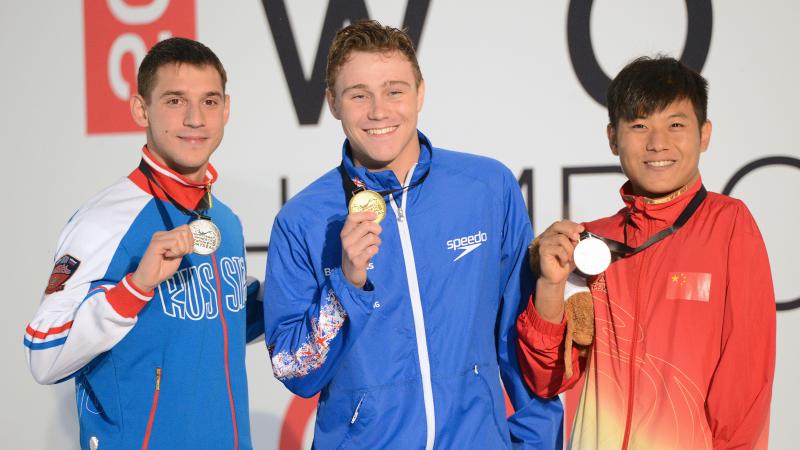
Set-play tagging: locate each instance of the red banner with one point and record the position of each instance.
(117, 35)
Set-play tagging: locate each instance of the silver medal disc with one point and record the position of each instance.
(592, 256)
(206, 236)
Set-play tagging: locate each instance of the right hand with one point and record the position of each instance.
(360, 243)
(556, 247)
(163, 257)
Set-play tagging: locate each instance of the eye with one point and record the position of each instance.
(174, 101)
(639, 126)
(677, 125)
(395, 93)
(211, 102)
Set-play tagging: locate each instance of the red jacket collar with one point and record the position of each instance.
(664, 210)
(186, 192)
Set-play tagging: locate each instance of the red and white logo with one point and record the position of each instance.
(117, 35)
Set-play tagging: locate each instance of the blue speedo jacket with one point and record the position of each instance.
(415, 359)
(159, 370)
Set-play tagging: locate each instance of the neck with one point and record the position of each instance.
(400, 166)
(654, 200)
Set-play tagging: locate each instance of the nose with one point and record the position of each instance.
(657, 140)
(194, 117)
(377, 110)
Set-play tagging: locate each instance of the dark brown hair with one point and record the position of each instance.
(175, 50)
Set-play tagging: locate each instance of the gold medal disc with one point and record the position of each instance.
(367, 200)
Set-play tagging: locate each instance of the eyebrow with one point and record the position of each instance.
(183, 93)
(386, 84)
(678, 114)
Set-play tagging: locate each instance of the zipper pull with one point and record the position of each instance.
(400, 215)
(158, 378)
(358, 406)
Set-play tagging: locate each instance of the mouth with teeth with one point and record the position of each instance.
(380, 131)
(661, 163)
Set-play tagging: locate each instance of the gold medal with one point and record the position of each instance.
(367, 200)
(206, 236)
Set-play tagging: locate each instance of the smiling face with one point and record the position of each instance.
(185, 117)
(377, 99)
(660, 153)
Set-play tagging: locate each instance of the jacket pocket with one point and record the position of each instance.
(354, 419)
(152, 409)
(497, 410)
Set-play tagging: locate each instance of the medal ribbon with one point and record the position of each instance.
(350, 188)
(148, 173)
(623, 249)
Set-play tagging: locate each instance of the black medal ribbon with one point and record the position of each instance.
(148, 173)
(623, 249)
(350, 188)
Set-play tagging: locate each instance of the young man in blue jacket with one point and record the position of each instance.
(148, 304)
(404, 327)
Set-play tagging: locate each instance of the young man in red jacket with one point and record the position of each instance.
(684, 341)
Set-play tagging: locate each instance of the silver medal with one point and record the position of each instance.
(592, 256)
(206, 236)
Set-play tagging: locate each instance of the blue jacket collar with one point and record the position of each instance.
(385, 179)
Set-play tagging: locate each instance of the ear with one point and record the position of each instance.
(139, 110)
(332, 103)
(227, 110)
(611, 131)
(705, 136)
(420, 95)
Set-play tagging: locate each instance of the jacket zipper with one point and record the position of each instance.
(416, 308)
(225, 351)
(152, 410)
(634, 345)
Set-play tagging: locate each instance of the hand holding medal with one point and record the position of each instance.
(360, 242)
(163, 257)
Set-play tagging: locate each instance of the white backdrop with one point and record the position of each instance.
(500, 82)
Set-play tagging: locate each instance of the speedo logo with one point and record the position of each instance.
(467, 243)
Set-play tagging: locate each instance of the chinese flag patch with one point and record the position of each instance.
(689, 286)
(62, 271)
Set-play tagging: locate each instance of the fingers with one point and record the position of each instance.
(356, 218)
(565, 227)
(360, 242)
(360, 236)
(163, 256)
(556, 247)
(174, 243)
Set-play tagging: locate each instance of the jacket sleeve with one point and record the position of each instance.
(309, 324)
(541, 348)
(537, 422)
(85, 310)
(738, 403)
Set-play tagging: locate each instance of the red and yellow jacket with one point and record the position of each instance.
(695, 312)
